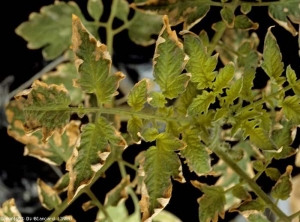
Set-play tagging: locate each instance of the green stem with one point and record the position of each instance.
(98, 204)
(258, 191)
(38, 75)
(297, 214)
(128, 164)
(109, 27)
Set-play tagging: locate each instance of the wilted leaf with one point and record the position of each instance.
(196, 155)
(212, 202)
(64, 74)
(169, 61)
(291, 109)
(134, 126)
(292, 80)
(283, 187)
(95, 9)
(200, 65)
(189, 12)
(46, 108)
(249, 207)
(9, 212)
(97, 141)
(138, 95)
(272, 60)
(48, 196)
(284, 12)
(161, 162)
(63, 183)
(38, 31)
(201, 103)
(93, 63)
(243, 22)
(117, 194)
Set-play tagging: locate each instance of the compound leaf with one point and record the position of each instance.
(138, 95)
(272, 64)
(93, 63)
(292, 80)
(201, 103)
(160, 164)
(9, 210)
(196, 155)
(140, 33)
(64, 74)
(224, 77)
(38, 31)
(169, 61)
(46, 108)
(95, 9)
(291, 109)
(285, 11)
(48, 196)
(200, 65)
(188, 12)
(97, 141)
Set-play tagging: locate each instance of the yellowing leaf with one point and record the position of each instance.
(38, 31)
(272, 64)
(117, 194)
(200, 65)
(228, 16)
(257, 217)
(224, 77)
(212, 203)
(48, 196)
(197, 157)
(243, 22)
(201, 103)
(234, 91)
(95, 9)
(291, 109)
(134, 126)
(169, 142)
(9, 211)
(64, 74)
(138, 95)
(45, 108)
(150, 134)
(292, 80)
(157, 99)
(97, 141)
(160, 164)
(93, 63)
(140, 33)
(246, 91)
(169, 61)
(284, 12)
(178, 11)
(258, 136)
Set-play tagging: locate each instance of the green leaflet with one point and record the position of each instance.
(161, 162)
(97, 142)
(201, 103)
(243, 22)
(195, 153)
(157, 99)
(140, 33)
(134, 126)
(38, 31)
(241, 192)
(292, 80)
(63, 183)
(283, 187)
(48, 196)
(138, 95)
(258, 136)
(246, 91)
(122, 10)
(234, 91)
(228, 16)
(64, 74)
(46, 108)
(188, 12)
(212, 202)
(272, 64)
(285, 11)
(257, 217)
(246, 8)
(93, 63)
(95, 9)
(200, 65)
(273, 173)
(9, 210)
(169, 61)
(223, 78)
(291, 109)
(150, 134)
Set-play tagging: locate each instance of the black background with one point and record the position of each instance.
(22, 63)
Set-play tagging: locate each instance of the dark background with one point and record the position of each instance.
(18, 172)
